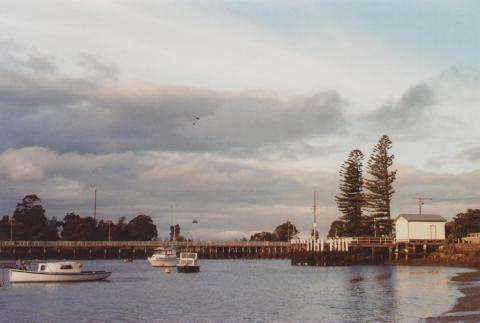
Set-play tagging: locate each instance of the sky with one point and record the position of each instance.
(106, 95)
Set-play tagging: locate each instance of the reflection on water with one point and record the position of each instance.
(237, 290)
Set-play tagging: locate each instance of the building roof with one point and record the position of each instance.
(422, 218)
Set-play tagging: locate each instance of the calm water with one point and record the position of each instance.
(237, 290)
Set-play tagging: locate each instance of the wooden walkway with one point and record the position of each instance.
(321, 252)
(141, 249)
(355, 251)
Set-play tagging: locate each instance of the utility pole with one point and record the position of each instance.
(109, 230)
(288, 230)
(314, 215)
(11, 229)
(95, 204)
(420, 201)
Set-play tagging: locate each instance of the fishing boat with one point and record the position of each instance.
(188, 263)
(163, 257)
(66, 271)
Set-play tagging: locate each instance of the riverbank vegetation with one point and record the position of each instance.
(29, 223)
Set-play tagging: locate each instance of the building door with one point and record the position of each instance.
(433, 232)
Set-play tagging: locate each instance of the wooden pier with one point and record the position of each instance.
(358, 251)
(141, 249)
(322, 252)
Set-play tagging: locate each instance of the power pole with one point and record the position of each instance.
(420, 201)
(11, 229)
(288, 230)
(95, 204)
(315, 214)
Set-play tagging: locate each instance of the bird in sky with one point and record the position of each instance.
(196, 120)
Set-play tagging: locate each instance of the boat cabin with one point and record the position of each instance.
(59, 267)
(188, 259)
(164, 251)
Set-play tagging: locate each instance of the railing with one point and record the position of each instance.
(142, 244)
(372, 240)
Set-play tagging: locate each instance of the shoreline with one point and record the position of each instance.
(467, 307)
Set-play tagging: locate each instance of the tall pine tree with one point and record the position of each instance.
(351, 199)
(379, 186)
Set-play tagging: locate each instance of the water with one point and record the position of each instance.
(237, 290)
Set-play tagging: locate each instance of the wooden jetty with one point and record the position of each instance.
(357, 251)
(319, 252)
(141, 249)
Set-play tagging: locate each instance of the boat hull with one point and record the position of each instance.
(188, 269)
(163, 262)
(23, 276)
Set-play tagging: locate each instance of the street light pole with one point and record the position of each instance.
(11, 229)
(109, 230)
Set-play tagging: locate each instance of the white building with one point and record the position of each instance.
(419, 227)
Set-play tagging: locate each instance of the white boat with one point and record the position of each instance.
(66, 271)
(188, 263)
(163, 257)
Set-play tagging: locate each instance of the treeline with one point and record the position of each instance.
(284, 232)
(30, 223)
(365, 201)
(463, 224)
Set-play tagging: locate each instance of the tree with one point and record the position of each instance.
(5, 228)
(464, 223)
(121, 233)
(351, 198)
(284, 232)
(30, 221)
(379, 186)
(175, 233)
(53, 225)
(261, 236)
(141, 228)
(337, 229)
(77, 228)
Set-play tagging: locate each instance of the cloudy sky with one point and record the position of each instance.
(106, 94)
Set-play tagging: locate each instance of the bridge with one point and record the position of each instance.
(141, 249)
(318, 252)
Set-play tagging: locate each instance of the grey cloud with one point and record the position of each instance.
(407, 112)
(98, 65)
(94, 115)
(220, 192)
(472, 154)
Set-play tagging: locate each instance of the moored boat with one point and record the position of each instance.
(66, 271)
(188, 263)
(163, 257)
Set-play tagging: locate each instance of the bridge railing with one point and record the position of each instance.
(372, 240)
